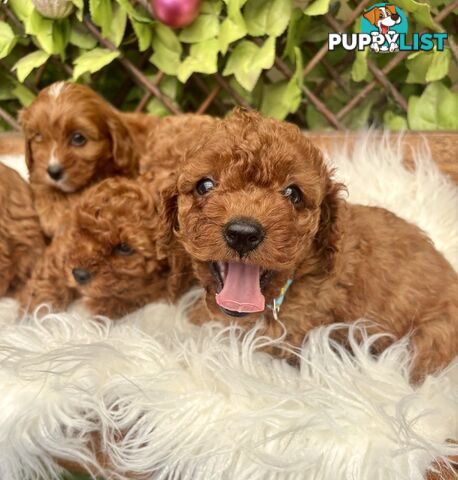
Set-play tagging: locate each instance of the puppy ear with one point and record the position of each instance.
(24, 121)
(391, 8)
(123, 151)
(370, 15)
(330, 227)
(168, 215)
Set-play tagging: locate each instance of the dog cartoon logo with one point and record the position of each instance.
(384, 29)
(384, 22)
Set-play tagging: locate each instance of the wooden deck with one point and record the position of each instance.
(443, 145)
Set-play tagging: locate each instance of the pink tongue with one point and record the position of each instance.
(241, 291)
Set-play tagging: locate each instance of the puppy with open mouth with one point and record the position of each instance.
(270, 235)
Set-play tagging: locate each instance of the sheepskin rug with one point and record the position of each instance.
(170, 400)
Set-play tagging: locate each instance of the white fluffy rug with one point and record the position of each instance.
(177, 401)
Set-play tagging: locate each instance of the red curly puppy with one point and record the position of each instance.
(74, 139)
(106, 254)
(269, 233)
(21, 239)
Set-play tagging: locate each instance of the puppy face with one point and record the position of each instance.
(383, 17)
(73, 138)
(251, 205)
(110, 250)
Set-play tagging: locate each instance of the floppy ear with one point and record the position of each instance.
(23, 120)
(330, 228)
(168, 215)
(371, 16)
(123, 151)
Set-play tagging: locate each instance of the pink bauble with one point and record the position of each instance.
(176, 13)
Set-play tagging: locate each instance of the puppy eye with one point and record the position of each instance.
(204, 186)
(78, 139)
(293, 194)
(123, 249)
(381, 15)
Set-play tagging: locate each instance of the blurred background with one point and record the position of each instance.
(207, 56)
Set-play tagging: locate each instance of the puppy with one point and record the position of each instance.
(383, 18)
(106, 254)
(75, 139)
(269, 234)
(21, 239)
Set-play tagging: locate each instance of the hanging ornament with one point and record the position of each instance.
(54, 9)
(176, 13)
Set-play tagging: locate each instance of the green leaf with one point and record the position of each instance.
(439, 66)
(284, 97)
(319, 7)
(93, 61)
(203, 28)
(203, 58)
(297, 26)
(267, 17)
(144, 34)
(420, 11)
(248, 60)
(359, 116)
(80, 37)
(394, 122)
(134, 13)
(359, 68)
(167, 50)
(60, 36)
(212, 7)
(118, 25)
(79, 4)
(42, 28)
(28, 63)
(23, 94)
(22, 8)
(435, 109)
(427, 67)
(7, 39)
(232, 29)
(102, 14)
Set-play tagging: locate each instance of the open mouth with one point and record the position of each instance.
(239, 287)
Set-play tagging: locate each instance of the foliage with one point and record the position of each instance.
(240, 39)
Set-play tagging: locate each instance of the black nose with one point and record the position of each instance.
(394, 16)
(243, 235)
(55, 172)
(81, 275)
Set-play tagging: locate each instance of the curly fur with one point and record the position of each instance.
(116, 144)
(21, 240)
(114, 141)
(114, 212)
(347, 261)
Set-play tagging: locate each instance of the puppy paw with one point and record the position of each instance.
(375, 47)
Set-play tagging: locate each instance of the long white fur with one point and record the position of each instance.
(186, 402)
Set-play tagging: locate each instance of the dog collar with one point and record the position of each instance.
(276, 304)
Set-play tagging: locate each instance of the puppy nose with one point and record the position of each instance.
(55, 172)
(394, 16)
(81, 275)
(243, 235)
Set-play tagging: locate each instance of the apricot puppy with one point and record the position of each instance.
(269, 234)
(106, 254)
(74, 139)
(21, 239)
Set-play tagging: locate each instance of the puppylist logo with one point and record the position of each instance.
(384, 29)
